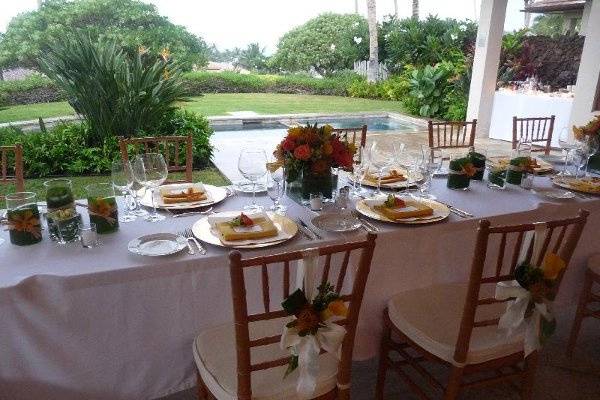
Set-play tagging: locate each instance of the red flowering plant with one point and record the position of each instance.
(314, 148)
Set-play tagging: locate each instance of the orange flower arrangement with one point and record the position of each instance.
(26, 222)
(313, 147)
(592, 128)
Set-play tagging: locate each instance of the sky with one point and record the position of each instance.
(236, 23)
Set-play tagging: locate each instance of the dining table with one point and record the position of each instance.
(104, 323)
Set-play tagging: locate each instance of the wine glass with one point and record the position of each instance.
(150, 170)
(567, 142)
(252, 164)
(359, 166)
(275, 190)
(382, 156)
(592, 144)
(426, 169)
(122, 179)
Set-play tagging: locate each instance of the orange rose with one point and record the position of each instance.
(308, 319)
(302, 152)
(288, 144)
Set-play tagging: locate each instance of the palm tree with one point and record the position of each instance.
(373, 66)
(396, 8)
(415, 9)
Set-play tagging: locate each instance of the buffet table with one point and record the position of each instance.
(103, 323)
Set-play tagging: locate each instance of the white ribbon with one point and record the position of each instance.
(307, 348)
(513, 321)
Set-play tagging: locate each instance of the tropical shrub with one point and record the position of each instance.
(63, 150)
(117, 95)
(33, 89)
(327, 43)
(428, 88)
(131, 23)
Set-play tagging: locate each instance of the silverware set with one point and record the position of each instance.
(457, 211)
(188, 235)
(366, 225)
(307, 231)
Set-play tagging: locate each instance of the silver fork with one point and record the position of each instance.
(189, 235)
(189, 246)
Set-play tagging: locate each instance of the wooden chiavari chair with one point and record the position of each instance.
(587, 297)
(244, 361)
(534, 130)
(9, 174)
(169, 146)
(451, 134)
(457, 324)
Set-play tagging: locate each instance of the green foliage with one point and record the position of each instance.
(548, 25)
(232, 82)
(116, 95)
(131, 23)
(426, 42)
(252, 58)
(63, 150)
(429, 86)
(327, 43)
(16, 88)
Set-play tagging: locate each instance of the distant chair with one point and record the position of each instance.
(587, 297)
(451, 134)
(534, 130)
(9, 173)
(243, 360)
(353, 135)
(171, 147)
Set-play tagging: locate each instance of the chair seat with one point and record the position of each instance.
(215, 355)
(594, 264)
(431, 318)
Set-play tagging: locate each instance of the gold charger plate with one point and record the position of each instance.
(502, 162)
(573, 183)
(217, 194)
(396, 185)
(440, 212)
(203, 231)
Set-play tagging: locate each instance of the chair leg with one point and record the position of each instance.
(530, 367)
(201, 388)
(579, 314)
(383, 365)
(454, 382)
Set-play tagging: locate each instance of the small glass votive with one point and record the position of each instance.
(88, 235)
(527, 181)
(315, 201)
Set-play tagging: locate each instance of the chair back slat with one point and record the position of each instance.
(270, 267)
(451, 134)
(169, 146)
(11, 167)
(486, 243)
(535, 130)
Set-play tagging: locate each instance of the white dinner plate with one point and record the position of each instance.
(396, 185)
(554, 193)
(216, 195)
(330, 222)
(157, 244)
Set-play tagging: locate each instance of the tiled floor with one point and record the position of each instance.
(557, 378)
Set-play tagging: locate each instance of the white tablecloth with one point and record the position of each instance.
(105, 324)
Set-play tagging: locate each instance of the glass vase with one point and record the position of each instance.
(102, 207)
(61, 207)
(23, 218)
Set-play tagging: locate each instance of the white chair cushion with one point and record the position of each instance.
(431, 318)
(215, 355)
(594, 263)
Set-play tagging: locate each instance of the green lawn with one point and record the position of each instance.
(221, 103)
(210, 175)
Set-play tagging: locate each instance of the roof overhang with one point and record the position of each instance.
(548, 6)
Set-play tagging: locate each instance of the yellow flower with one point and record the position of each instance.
(295, 132)
(142, 50)
(327, 149)
(101, 207)
(552, 266)
(335, 308)
(165, 54)
(327, 129)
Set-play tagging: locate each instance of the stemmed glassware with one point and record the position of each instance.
(252, 164)
(275, 191)
(150, 170)
(587, 147)
(426, 169)
(360, 165)
(567, 142)
(122, 180)
(381, 156)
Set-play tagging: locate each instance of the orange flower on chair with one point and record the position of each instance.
(26, 222)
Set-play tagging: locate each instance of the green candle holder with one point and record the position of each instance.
(478, 161)
(457, 177)
(23, 219)
(496, 178)
(516, 170)
(102, 207)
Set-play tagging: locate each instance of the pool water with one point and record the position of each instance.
(373, 123)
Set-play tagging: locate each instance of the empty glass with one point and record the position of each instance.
(122, 180)
(275, 190)
(252, 164)
(382, 157)
(359, 168)
(88, 235)
(151, 171)
(426, 169)
(567, 143)
(61, 207)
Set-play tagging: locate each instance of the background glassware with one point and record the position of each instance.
(151, 171)
(315, 201)
(359, 167)
(102, 207)
(88, 235)
(524, 149)
(122, 180)
(426, 169)
(252, 164)
(68, 229)
(496, 177)
(592, 144)
(381, 157)
(23, 217)
(60, 203)
(398, 152)
(275, 190)
(567, 143)
(136, 188)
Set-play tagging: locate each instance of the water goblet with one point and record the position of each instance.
(567, 143)
(275, 191)
(382, 157)
(252, 164)
(122, 180)
(151, 171)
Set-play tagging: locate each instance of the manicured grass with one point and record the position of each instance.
(210, 176)
(221, 103)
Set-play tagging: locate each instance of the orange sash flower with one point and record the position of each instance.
(469, 170)
(26, 222)
(102, 208)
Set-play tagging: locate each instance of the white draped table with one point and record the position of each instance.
(103, 323)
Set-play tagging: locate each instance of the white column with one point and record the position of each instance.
(585, 17)
(485, 63)
(588, 76)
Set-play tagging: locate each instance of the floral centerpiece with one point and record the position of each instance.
(591, 129)
(460, 172)
(518, 167)
(478, 161)
(309, 153)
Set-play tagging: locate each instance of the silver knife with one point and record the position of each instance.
(306, 232)
(315, 234)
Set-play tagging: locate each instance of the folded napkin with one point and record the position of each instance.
(263, 230)
(391, 177)
(412, 209)
(183, 193)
